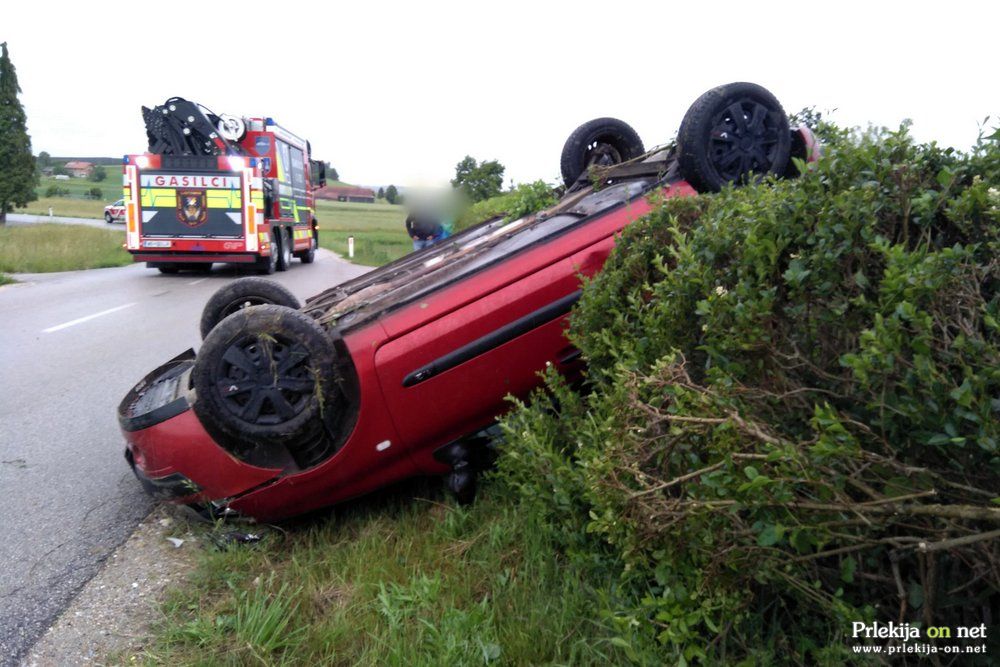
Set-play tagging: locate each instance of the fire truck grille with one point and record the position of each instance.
(190, 162)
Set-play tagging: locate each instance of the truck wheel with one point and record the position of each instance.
(731, 132)
(169, 269)
(284, 251)
(263, 378)
(600, 141)
(267, 265)
(243, 293)
(309, 256)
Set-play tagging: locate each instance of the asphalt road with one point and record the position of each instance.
(22, 218)
(71, 345)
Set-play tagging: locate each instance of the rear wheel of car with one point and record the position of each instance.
(108, 218)
(602, 141)
(243, 293)
(284, 250)
(730, 133)
(264, 377)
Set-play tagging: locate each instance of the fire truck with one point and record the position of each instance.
(219, 188)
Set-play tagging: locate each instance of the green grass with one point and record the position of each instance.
(76, 204)
(111, 186)
(6, 280)
(378, 230)
(390, 580)
(68, 206)
(43, 248)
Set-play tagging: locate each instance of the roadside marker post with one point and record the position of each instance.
(350, 247)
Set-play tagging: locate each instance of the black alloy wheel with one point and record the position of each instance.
(265, 381)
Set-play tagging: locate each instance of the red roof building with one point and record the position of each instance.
(346, 193)
(79, 169)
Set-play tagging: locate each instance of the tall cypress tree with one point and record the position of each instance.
(17, 164)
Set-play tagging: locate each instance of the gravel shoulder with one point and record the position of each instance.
(112, 615)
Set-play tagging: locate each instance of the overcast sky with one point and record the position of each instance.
(399, 92)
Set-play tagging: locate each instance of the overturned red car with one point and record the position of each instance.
(288, 408)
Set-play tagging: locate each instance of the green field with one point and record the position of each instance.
(43, 248)
(70, 207)
(76, 204)
(378, 230)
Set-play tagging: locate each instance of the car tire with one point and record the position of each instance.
(108, 218)
(284, 251)
(243, 293)
(731, 132)
(600, 141)
(265, 377)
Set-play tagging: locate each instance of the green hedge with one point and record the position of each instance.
(792, 387)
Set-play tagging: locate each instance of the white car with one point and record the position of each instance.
(115, 212)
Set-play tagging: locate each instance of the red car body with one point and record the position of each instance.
(437, 340)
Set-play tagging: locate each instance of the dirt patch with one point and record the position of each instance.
(113, 613)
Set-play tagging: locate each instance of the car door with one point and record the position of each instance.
(451, 376)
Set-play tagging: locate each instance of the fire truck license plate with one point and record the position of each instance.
(156, 244)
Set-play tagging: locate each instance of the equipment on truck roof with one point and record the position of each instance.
(180, 127)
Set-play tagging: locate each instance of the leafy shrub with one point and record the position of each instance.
(56, 191)
(523, 200)
(95, 193)
(790, 420)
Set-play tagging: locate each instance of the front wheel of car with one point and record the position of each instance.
(731, 134)
(602, 142)
(265, 377)
(243, 293)
(108, 218)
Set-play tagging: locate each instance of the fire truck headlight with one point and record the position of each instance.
(142, 162)
(237, 163)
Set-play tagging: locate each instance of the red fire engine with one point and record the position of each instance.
(219, 189)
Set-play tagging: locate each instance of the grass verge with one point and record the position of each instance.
(6, 280)
(69, 207)
(390, 580)
(378, 230)
(44, 248)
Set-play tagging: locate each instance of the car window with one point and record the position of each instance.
(120, 202)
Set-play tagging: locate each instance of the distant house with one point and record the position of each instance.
(79, 169)
(347, 193)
